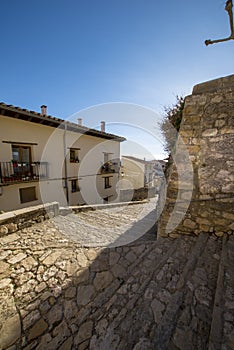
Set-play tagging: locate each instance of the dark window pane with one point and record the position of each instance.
(107, 182)
(27, 194)
(74, 186)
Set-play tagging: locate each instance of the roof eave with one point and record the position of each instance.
(34, 117)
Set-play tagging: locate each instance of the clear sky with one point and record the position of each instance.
(74, 54)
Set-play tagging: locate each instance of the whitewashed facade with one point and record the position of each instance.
(139, 173)
(44, 159)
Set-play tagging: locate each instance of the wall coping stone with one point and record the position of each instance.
(26, 217)
(215, 85)
(100, 206)
(18, 212)
(7, 216)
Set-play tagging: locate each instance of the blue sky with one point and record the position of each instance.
(74, 54)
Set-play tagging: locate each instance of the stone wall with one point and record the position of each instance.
(138, 194)
(18, 219)
(207, 130)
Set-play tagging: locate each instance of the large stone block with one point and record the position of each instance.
(85, 332)
(10, 331)
(38, 329)
(214, 86)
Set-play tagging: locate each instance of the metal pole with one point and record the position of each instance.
(65, 164)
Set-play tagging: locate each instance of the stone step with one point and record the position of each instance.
(226, 314)
(163, 305)
(124, 273)
(162, 332)
(150, 308)
(193, 319)
(111, 263)
(147, 279)
(216, 330)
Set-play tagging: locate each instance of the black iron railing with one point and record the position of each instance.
(13, 172)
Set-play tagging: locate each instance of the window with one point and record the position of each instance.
(27, 194)
(74, 156)
(21, 159)
(106, 157)
(107, 182)
(75, 186)
(21, 154)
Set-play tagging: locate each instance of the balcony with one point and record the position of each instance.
(110, 167)
(16, 172)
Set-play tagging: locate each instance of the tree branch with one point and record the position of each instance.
(228, 8)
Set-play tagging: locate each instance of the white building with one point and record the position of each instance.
(138, 173)
(46, 159)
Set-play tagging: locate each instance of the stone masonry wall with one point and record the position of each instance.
(138, 194)
(18, 219)
(207, 129)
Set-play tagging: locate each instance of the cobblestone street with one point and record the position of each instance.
(110, 226)
(60, 291)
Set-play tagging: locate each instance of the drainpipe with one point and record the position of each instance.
(65, 163)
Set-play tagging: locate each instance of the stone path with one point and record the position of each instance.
(109, 227)
(166, 294)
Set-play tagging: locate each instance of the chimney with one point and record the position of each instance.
(44, 110)
(103, 126)
(80, 121)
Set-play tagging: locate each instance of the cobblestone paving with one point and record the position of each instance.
(57, 293)
(108, 227)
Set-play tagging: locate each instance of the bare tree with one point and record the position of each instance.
(228, 8)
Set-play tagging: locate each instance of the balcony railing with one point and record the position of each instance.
(110, 167)
(14, 172)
